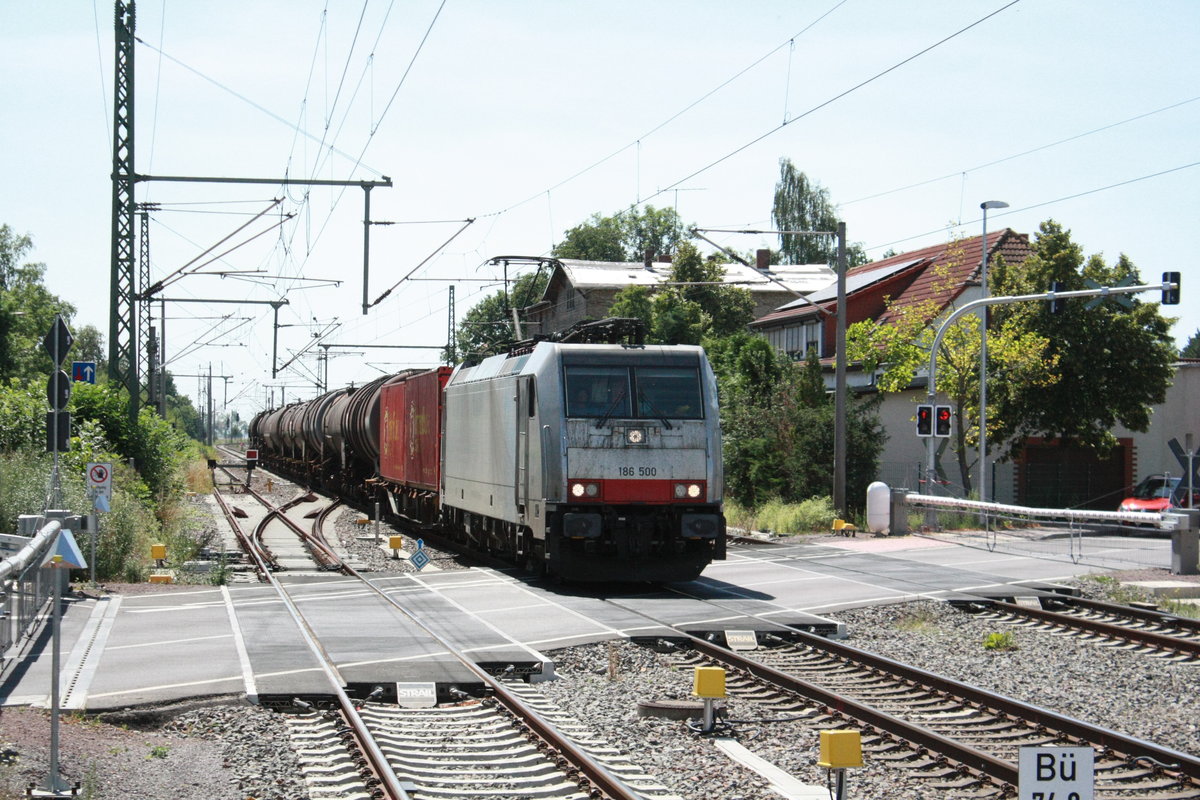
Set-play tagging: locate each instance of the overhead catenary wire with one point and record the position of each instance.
(251, 103)
(1023, 153)
(830, 101)
(638, 139)
(1062, 199)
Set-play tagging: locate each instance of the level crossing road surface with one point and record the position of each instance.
(185, 642)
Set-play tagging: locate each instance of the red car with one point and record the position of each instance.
(1160, 493)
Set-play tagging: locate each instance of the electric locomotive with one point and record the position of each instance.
(597, 462)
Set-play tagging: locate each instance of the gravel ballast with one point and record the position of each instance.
(237, 751)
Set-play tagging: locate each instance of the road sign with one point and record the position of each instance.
(58, 390)
(99, 478)
(1056, 773)
(58, 340)
(419, 559)
(83, 371)
(1124, 301)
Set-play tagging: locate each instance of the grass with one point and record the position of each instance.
(814, 515)
(1000, 641)
(921, 620)
(197, 477)
(1179, 608)
(1114, 591)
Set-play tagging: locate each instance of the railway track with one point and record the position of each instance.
(957, 736)
(356, 749)
(1141, 630)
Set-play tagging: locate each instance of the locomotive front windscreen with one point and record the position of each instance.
(646, 392)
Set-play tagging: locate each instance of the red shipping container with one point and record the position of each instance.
(410, 436)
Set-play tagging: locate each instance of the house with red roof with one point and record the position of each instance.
(1047, 474)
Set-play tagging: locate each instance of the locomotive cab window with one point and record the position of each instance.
(608, 392)
(671, 392)
(597, 391)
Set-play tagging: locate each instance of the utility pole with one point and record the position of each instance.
(210, 406)
(839, 381)
(451, 350)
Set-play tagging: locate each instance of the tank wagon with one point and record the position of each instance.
(594, 462)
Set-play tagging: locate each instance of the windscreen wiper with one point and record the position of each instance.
(654, 410)
(612, 407)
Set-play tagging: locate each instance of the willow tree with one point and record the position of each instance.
(802, 204)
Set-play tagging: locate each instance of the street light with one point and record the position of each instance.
(983, 323)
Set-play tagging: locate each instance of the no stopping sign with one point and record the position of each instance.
(99, 477)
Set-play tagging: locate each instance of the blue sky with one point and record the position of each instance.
(1086, 112)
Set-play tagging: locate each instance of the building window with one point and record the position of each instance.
(797, 340)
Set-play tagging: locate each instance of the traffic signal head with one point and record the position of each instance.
(924, 420)
(1058, 304)
(1170, 297)
(941, 421)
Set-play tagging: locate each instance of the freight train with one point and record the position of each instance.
(592, 462)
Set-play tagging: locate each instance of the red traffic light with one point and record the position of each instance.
(942, 417)
(924, 420)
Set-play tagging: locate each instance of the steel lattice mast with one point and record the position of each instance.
(122, 324)
(143, 345)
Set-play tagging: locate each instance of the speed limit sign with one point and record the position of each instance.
(99, 478)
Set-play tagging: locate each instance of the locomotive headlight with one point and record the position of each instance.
(635, 435)
(582, 489)
(688, 490)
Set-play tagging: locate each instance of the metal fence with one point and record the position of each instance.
(26, 588)
(1115, 540)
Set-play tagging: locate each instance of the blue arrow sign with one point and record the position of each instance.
(83, 371)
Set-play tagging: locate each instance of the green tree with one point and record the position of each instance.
(89, 346)
(27, 309)
(778, 423)
(1113, 364)
(802, 204)
(487, 328)
(1017, 360)
(1192, 348)
(625, 236)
